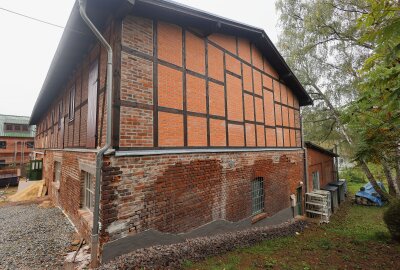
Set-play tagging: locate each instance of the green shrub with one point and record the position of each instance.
(392, 219)
(353, 175)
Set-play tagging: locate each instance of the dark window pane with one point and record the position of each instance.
(9, 127)
(3, 144)
(30, 144)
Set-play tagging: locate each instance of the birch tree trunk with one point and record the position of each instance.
(372, 180)
(393, 188)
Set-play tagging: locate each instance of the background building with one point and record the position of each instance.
(16, 140)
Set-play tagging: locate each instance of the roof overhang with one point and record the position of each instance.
(77, 39)
(320, 149)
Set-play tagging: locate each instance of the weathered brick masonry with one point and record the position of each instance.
(177, 193)
(68, 194)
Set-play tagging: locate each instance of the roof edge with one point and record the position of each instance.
(320, 149)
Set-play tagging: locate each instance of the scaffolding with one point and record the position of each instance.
(318, 205)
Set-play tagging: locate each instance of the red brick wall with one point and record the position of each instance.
(323, 163)
(70, 193)
(177, 193)
(221, 79)
(7, 154)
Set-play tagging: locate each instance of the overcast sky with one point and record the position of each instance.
(27, 47)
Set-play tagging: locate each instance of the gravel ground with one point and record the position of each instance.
(32, 237)
(172, 256)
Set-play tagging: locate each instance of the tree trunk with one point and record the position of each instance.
(372, 180)
(342, 129)
(393, 188)
(397, 166)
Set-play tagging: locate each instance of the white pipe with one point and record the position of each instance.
(100, 153)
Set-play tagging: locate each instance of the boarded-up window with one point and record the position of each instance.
(52, 121)
(60, 114)
(71, 110)
(92, 105)
(315, 178)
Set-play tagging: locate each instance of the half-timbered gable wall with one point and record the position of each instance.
(180, 89)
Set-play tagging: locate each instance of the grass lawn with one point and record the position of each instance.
(356, 238)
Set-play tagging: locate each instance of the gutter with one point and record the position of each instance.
(101, 151)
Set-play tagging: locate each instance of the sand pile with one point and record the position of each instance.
(30, 193)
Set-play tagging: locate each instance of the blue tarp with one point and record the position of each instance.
(370, 193)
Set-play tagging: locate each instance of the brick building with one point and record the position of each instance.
(322, 168)
(206, 133)
(16, 140)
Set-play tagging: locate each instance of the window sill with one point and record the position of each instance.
(86, 216)
(258, 217)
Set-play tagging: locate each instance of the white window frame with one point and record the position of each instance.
(88, 191)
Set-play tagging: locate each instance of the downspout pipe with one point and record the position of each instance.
(305, 155)
(101, 151)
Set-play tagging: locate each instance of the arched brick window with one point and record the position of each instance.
(257, 195)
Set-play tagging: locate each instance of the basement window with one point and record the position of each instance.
(88, 200)
(257, 195)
